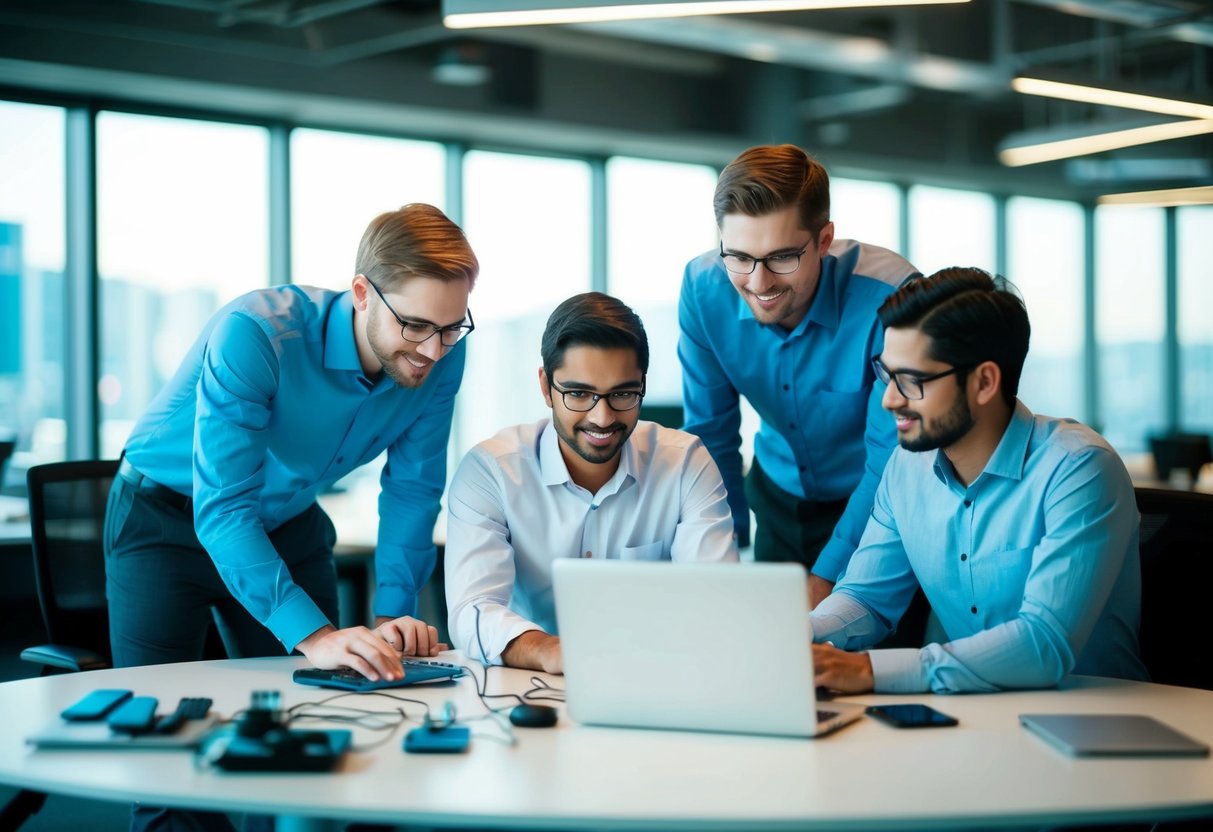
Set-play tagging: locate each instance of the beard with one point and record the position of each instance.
(591, 453)
(396, 366)
(947, 430)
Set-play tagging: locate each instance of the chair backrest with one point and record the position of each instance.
(67, 515)
(1177, 578)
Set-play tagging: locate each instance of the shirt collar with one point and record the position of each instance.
(340, 351)
(554, 471)
(1009, 457)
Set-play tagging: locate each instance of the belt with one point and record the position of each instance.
(137, 480)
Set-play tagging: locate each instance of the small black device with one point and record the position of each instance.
(136, 715)
(911, 716)
(416, 672)
(527, 715)
(190, 707)
(95, 705)
(437, 739)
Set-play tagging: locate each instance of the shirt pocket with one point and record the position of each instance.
(649, 551)
(1001, 580)
(844, 410)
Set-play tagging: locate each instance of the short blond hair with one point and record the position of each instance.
(417, 240)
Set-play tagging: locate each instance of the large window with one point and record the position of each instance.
(182, 228)
(1045, 262)
(32, 299)
(527, 218)
(951, 228)
(1129, 304)
(339, 183)
(659, 216)
(1195, 250)
(866, 211)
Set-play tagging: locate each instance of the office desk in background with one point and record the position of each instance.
(986, 772)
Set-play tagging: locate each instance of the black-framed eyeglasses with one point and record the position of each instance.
(910, 384)
(784, 262)
(418, 332)
(583, 401)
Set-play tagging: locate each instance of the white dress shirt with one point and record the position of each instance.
(513, 509)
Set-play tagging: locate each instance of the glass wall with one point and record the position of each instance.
(339, 183)
(182, 228)
(950, 228)
(528, 220)
(1194, 228)
(1129, 323)
(32, 326)
(866, 211)
(649, 241)
(1046, 263)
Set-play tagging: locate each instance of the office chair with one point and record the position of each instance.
(67, 515)
(1176, 573)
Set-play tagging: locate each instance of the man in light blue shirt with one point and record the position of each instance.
(287, 390)
(785, 315)
(1021, 529)
(591, 482)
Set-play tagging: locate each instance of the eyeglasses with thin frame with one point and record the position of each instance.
(910, 384)
(418, 332)
(783, 262)
(583, 401)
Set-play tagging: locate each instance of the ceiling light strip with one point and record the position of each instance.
(1201, 195)
(1098, 143)
(1111, 98)
(520, 13)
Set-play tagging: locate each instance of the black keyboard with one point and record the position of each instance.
(190, 707)
(416, 671)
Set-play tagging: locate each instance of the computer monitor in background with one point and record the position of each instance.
(6, 451)
(1189, 451)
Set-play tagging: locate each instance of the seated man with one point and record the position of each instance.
(592, 482)
(1020, 529)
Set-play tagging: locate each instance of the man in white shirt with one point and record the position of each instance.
(593, 481)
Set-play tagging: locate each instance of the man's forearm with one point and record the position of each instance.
(535, 650)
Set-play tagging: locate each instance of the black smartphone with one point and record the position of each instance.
(95, 705)
(911, 716)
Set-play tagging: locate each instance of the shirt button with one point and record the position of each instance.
(964, 557)
(588, 553)
(968, 503)
(802, 468)
(340, 460)
(593, 507)
(973, 610)
(792, 425)
(787, 387)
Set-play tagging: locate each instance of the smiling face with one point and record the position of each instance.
(383, 349)
(781, 299)
(590, 441)
(942, 417)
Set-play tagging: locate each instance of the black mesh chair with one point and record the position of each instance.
(1176, 576)
(67, 515)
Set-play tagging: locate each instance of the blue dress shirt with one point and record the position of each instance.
(1032, 570)
(824, 435)
(270, 407)
(513, 509)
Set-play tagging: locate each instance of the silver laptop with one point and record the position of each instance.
(1131, 735)
(706, 647)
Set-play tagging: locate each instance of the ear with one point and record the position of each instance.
(361, 291)
(544, 387)
(824, 238)
(986, 382)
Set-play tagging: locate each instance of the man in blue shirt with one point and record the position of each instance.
(785, 315)
(592, 482)
(287, 390)
(1020, 529)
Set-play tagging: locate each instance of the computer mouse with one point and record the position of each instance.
(533, 716)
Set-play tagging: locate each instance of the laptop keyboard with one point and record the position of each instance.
(826, 716)
(354, 676)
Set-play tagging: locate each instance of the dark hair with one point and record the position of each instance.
(970, 317)
(593, 320)
(769, 178)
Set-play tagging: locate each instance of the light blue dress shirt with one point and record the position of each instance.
(270, 407)
(1032, 570)
(513, 509)
(824, 436)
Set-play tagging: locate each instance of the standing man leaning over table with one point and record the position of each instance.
(1021, 529)
(785, 315)
(593, 481)
(287, 390)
